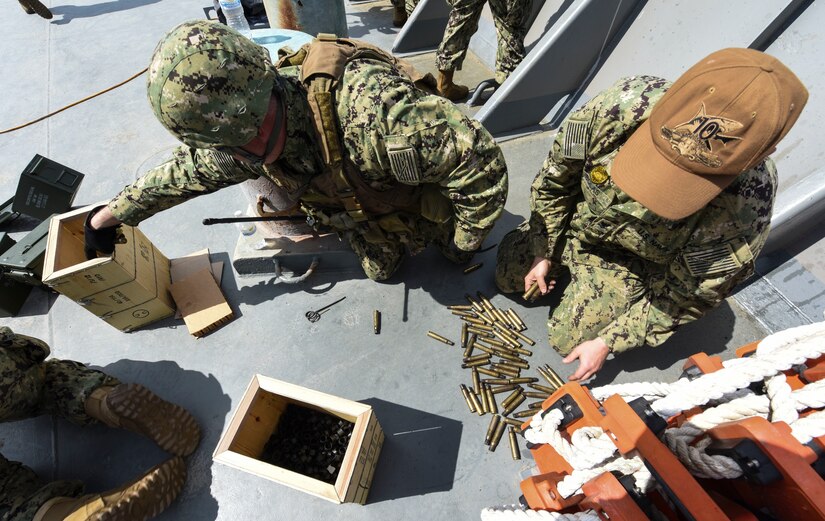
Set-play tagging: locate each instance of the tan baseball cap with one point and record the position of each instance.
(719, 119)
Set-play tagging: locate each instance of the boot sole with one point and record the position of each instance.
(148, 496)
(167, 424)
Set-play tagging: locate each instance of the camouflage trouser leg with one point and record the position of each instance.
(510, 17)
(595, 297)
(410, 5)
(67, 385)
(461, 26)
(598, 292)
(379, 261)
(52, 387)
(22, 493)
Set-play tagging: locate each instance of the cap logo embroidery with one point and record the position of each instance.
(694, 139)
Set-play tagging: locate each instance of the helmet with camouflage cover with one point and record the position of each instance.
(210, 86)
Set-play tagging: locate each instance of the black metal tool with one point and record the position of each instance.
(314, 316)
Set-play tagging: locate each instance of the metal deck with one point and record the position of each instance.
(433, 464)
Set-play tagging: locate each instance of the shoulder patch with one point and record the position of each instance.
(575, 139)
(712, 261)
(404, 164)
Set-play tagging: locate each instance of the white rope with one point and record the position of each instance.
(513, 513)
(782, 351)
(633, 390)
(809, 427)
(572, 483)
(705, 465)
(587, 447)
(783, 408)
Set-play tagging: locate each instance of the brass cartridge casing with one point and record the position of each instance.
(484, 300)
(497, 436)
(555, 375)
(519, 364)
(488, 372)
(463, 307)
(530, 293)
(509, 371)
(543, 388)
(484, 349)
(521, 351)
(482, 356)
(376, 322)
(535, 405)
(468, 347)
(515, 423)
(440, 338)
(514, 404)
(491, 400)
(519, 322)
(462, 313)
(476, 403)
(544, 374)
(502, 388)
(476, 363)
(476, 381)
(491, 429)
(484, 401)
(466, 393)
(533, 394)
(522, 380)
(475, 304)
(498, 381)
(511, 397)
(474, 320)
(529, 413)
(514, 452)
(480, 332)
(525, 339)
(493, 343)
(470, 269)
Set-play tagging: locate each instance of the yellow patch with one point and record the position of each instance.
(599, 175)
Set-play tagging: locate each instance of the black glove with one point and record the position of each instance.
(98, 240)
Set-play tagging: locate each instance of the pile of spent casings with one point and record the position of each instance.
(497, 335)
(309, 442)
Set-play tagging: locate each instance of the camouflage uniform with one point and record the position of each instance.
(455, 163)
(635, 277)
(31, 386)
(408, 5)
(510, 17)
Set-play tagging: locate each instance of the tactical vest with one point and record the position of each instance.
(381, 216)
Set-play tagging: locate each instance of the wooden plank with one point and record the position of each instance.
(280, 475)
(238, 416)
(258, 424)
(201, 302)
(341, 407)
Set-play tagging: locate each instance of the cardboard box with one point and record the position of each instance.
(257, 417)
(128, 290)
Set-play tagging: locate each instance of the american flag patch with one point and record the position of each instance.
(404, 165)
(709, 262)
(575, 139)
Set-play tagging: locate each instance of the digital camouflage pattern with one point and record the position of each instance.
(210, 106)
(635, 277)
(31, 386)
(509, 16)
(453, 159)
(408, 5)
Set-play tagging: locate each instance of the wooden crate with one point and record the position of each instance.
(128, 290)
(257, 417)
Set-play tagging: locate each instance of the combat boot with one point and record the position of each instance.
(399, 16)
(143, 498)
(448, 89)
(35, 6)
(137, 409)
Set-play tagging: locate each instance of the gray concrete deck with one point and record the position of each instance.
(433, 465)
